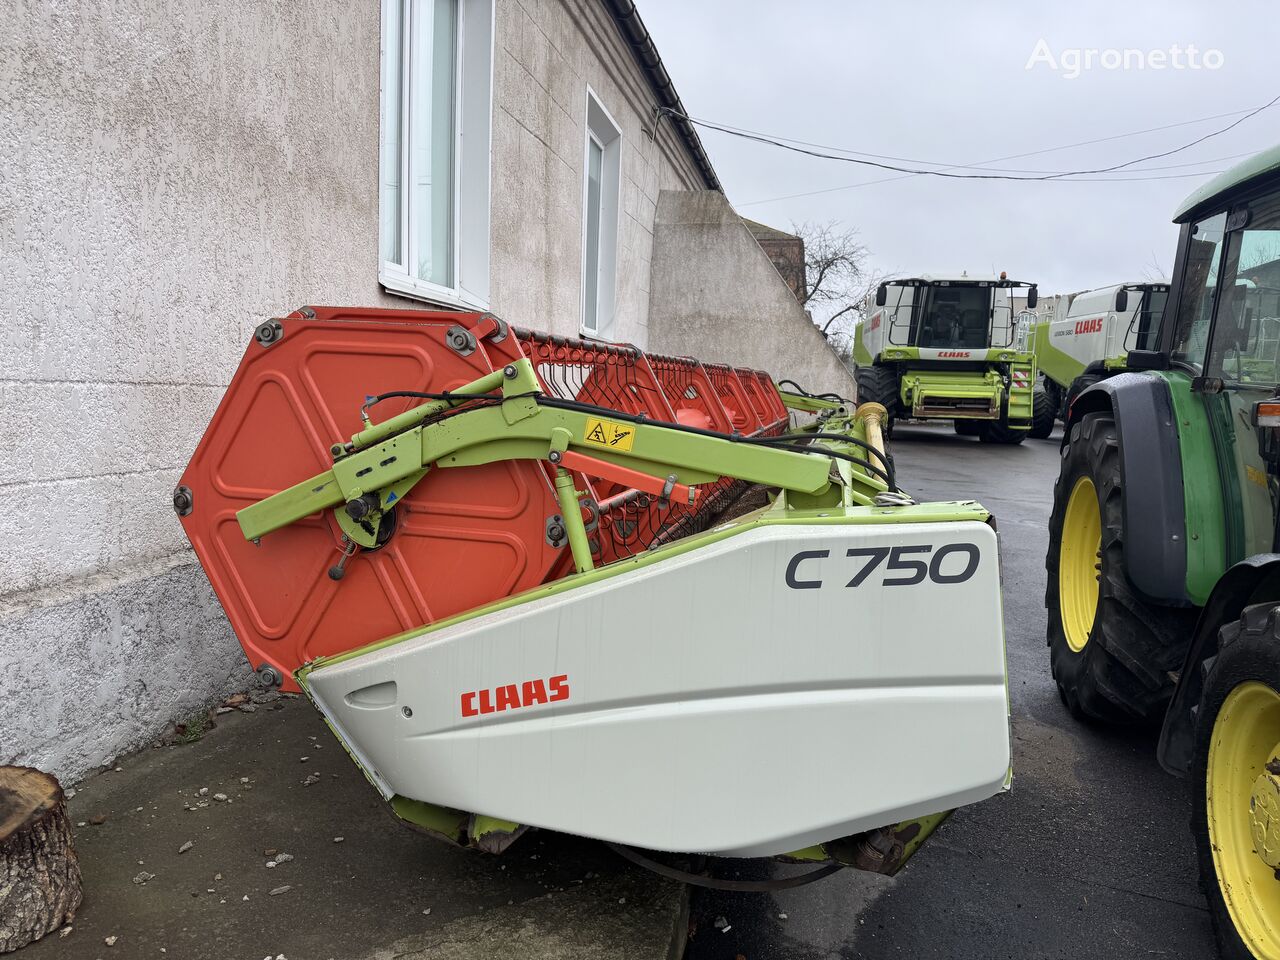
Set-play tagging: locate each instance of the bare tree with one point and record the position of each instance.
(1154, 272)
(838, 278)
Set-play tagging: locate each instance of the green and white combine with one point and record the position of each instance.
(949, 348)
(1079, 338)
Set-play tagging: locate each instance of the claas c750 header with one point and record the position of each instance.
(537, 581)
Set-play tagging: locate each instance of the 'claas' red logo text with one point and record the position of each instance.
(512, 696)
(1093, 325)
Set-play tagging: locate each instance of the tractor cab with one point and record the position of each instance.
(1224, 331)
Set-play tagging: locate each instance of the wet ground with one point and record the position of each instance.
(1089, 855)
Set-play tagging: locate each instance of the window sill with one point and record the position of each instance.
(402, 286)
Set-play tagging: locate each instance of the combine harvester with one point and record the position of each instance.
(1081, 338)
(949, 348)
(572, 585)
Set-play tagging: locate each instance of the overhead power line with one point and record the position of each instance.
(982, 163)
(1030, 153)
(948, 170)
(910, 176)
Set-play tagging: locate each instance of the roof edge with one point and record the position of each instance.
(634, 32)
(1254, 168)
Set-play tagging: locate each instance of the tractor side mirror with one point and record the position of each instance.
(1033, 296)
(882, 295)
(1122, 300)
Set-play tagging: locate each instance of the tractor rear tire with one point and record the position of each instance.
(968, 428)
(1111, 653)
(1241, 889)
(879, 385)
(999, 431)
(1042, 414)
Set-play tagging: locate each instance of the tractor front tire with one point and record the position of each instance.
(1237, 729)
(879, 385)
(1111, 653)
(968, 428)
(1042, 414)
(1078, 386)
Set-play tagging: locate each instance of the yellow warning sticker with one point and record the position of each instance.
(610, 434)
(1256, 475)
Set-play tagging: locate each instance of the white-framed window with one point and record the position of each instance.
(433, 177)
(602, 168)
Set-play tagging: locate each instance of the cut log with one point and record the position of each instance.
(39, 873)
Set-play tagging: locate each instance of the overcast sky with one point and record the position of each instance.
(948, 82)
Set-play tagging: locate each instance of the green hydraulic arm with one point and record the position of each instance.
(505, 416)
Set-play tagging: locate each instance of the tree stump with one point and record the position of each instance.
(39, 873)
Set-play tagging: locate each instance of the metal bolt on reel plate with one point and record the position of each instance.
(268, 333)
(460, 340)
(557, 536)
(183, 500)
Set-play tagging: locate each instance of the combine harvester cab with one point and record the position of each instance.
(1085, 337)
(949, 348)
(531, 580)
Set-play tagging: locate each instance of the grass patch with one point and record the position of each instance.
(193, 727)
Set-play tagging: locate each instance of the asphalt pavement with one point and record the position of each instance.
(260, 838)
(1088, 856)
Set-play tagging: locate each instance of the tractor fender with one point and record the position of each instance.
(1155, 548)
(1255, 579)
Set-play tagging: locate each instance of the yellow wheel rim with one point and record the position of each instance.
(1242, 802)
(1078, 559)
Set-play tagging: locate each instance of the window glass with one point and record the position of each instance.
(601, 194)
(431, 128)
(1246, 332)
(1146, 323)
(591, 260)
(1200, 283)
(955, 318)
(434, 149)
(390, 129)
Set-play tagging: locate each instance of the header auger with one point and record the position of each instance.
(569, 584)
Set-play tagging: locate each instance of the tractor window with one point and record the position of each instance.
(1246, 334)
(955, 318)
(1200, 282)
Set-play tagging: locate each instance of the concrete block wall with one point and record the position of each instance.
(716, 295)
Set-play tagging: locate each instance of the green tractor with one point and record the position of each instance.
(1163, 586)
